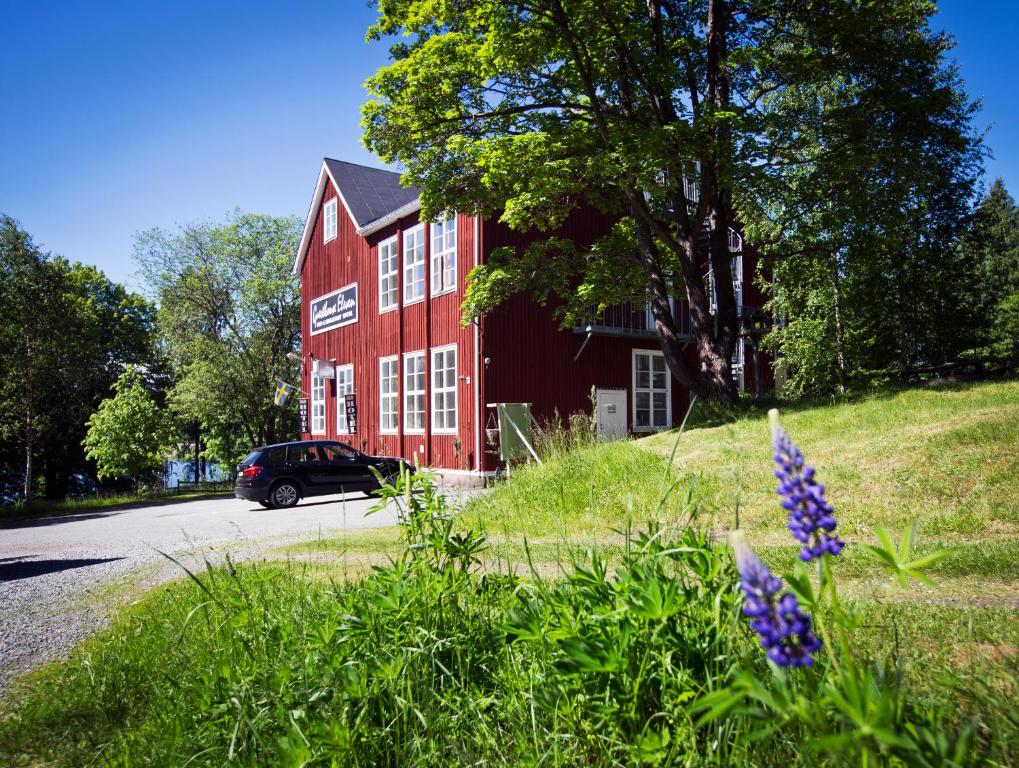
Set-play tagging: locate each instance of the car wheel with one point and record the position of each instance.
(284, 494)
(265, 504)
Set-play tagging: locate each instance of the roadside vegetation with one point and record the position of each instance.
(44, 508)
(949, 455)
(430, 660)
(433, 644)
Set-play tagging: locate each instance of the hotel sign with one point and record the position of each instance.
(334, 310)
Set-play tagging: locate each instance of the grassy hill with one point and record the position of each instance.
(949, 456)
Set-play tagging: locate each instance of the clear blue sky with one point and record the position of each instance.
(121, 116)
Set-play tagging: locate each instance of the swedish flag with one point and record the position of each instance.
(283, 391)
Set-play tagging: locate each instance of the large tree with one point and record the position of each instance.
(30, 292)
(66, 332)
(534, 108)
(861, 244)
(229, 312)
(990, 246)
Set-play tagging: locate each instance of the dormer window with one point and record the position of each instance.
(329, 221)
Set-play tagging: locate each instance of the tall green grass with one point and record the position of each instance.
(948, 455)
(585, 492)
(431, 660)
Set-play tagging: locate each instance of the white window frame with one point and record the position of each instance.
(412, 393)
(443, 261)
(438, 392)
(417, 253)
(344, 386)
(389, 281)
(318, 404)
(389, 398)
(652, 427)
(329, 220)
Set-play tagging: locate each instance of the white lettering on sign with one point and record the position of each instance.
(334, 310)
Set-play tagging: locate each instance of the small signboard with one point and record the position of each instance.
(350, 402)
(334, 310)
(303, 411)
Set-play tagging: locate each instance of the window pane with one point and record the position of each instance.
(444, 417)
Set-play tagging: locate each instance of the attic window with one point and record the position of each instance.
(329, 221)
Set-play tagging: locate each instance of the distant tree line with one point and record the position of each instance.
(66, 333)
(860, 304)
(97, 381)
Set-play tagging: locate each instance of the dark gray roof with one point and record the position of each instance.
(370, 193)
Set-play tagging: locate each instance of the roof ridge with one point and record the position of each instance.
(361, 165)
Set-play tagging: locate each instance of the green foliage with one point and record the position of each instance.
(129, 434)
(431, 659)
(1006, 325)
(990, 247)
(842, 136)
(900, 561)
(861, 238)
(229, 312)
(65, 335)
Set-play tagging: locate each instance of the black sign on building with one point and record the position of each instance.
(350, 401)
(334, 310)
(303, 411)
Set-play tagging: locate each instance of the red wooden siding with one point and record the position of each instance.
(433, 322)
(532, 360)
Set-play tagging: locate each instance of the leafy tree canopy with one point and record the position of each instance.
(229, 312)
(129, 434)
(534, 109)
(65, 334)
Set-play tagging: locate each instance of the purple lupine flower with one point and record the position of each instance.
(811, 517)
(786, 631)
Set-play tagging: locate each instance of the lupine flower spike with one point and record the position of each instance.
(786, 631)
(811, 518)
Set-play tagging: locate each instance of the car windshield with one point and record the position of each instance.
(251, 458)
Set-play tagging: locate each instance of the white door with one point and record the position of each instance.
(610, 413)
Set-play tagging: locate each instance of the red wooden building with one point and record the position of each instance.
(380, 320)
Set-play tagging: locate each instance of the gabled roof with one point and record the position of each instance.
(369, 193)
(372, 198)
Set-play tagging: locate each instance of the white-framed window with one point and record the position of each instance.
(414, 393)
(444, 390)
(389, 394)
(388, 285)
(318, 405)
(652, 391)
(329, 220)
(344, 387)
(414, 264)
(444, 256)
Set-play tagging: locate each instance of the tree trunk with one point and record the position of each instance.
(840, 331)
(29, 424)
(712, 378)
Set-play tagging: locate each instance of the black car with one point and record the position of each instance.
(279, 475)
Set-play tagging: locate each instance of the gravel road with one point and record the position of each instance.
(59, 575)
